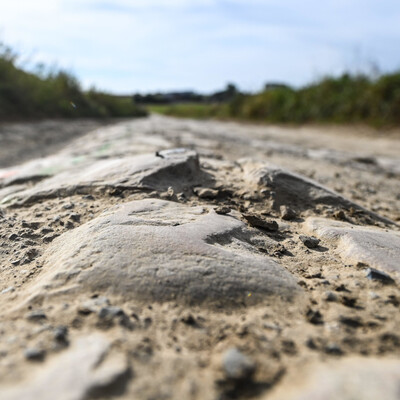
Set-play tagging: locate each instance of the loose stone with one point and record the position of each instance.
(237, 366)
(380, 276)
(287, 213)
(36, 316)
(309, 241)
(34, 354)
(262, 223)
(206, 193)
(61, 334)
(222, 210)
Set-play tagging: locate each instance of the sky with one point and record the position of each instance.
(126, 46)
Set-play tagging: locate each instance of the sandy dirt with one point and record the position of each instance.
(21, 142)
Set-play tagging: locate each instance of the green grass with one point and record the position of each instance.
(188, 110)
(346, 99)
(53, 94)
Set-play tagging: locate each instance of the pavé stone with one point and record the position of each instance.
(160, 250)
(176, 168)
(236, 365)
(351, 379)
(80, 373)
(290, 189)
(375, 247)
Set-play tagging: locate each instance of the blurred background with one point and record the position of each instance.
(277, 61)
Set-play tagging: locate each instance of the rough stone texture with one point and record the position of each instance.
(352, 379)
(176, 168)
(83, 372)
(22, 141)
(35, 170)
(236, 365)
(291, 189)
(287, 188)
(118, 257)
(159, 250)
(375, 247)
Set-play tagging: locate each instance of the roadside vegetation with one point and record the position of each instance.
(345, 99)
(53, 94)
(189, 110)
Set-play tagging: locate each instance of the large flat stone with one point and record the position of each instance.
(378, 248)
(352, 379)
(175, 168)
(297, 191)
(82, 372)
(290, 188)
(159, 250)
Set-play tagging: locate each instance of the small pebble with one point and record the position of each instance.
(222, 210)
(45, 230)
(75, 217)
(314, 317)
(111, 311)
(181, 196)
(340, 215)
(380, 276)
(69, 225)
(333, 349)
(257, 222)
(189, 319)
(68, 206)
(237, 366)
(8, 290)
(309, 241)
(60, 334)
(206, 193)
(49, 237)
(107, 315)
(36, 316)
(34, 354)
(330, 296)
(13, 236)
(30, 225)
(374, 295)
(93, 305)
(287, 213)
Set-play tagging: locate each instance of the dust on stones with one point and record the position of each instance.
(132, 271)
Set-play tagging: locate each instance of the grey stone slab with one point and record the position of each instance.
(294, 190)
(379, 248)
(175, 168)
(79, 373)
(355, 378)
(35, 170)
(291, 189)
(159, 250)
(8, 193)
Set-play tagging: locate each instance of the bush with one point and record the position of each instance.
(56, 94)
(345, 99)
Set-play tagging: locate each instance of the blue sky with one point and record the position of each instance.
(127, 46)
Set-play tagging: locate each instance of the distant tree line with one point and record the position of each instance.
(349, 98)
(222, 96)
